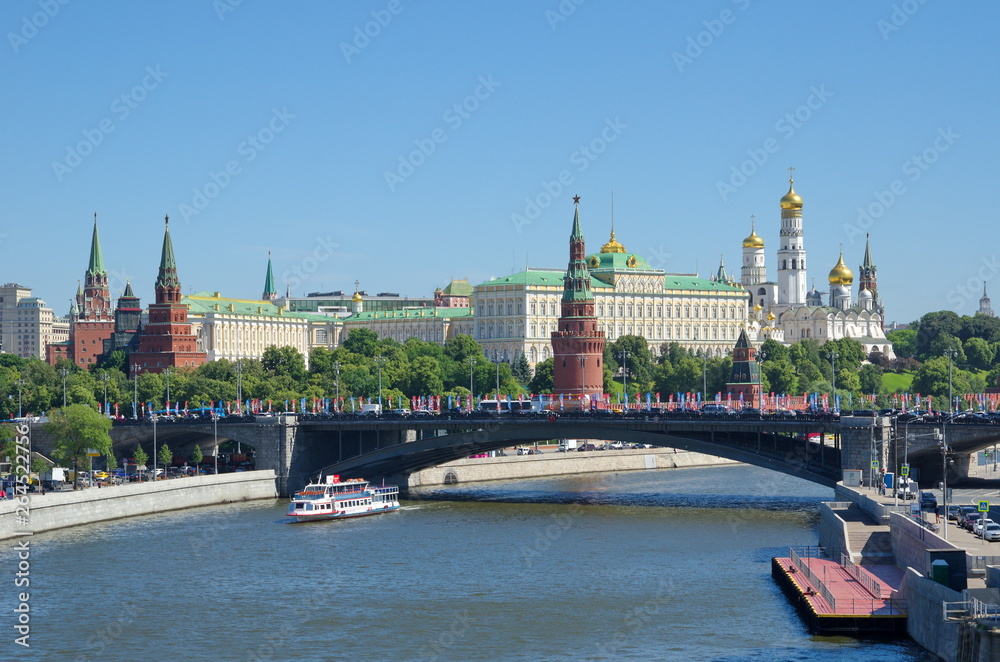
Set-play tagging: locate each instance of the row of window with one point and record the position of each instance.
(628, 310)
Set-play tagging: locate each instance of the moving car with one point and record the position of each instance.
(928, 501)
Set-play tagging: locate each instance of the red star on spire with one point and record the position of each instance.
(576, 199)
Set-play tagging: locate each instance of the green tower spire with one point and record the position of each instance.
(167, 277)
(270, 289)
(96, 265)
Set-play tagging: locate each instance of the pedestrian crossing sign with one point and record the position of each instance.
(984, 506)
(904, 470)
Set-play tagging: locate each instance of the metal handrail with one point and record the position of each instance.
(869, 583)
(807, 571)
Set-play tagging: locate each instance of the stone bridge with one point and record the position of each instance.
(299, 447)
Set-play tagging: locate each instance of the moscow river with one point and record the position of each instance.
(655, 565)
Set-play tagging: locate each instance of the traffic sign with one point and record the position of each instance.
(984, 506)
(904, 470)
(874, 464)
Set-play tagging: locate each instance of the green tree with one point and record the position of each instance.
(197, 456)
(522, 369)
(165, 456)
(781, 376)
(76, 430)
(542, 381)
(361, 341)
(870, 379)
(637, 366)
(979, 353)
(459, 348)
(140, 457)
(775, 351)
(904, 342)
(284, 361)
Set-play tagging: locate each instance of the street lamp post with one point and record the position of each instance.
(379, 361)
(336, 369)
(704, 376)
(833, 377)
(135, 390)
(950, 353)
(166, 373)
(64, 372)
(472, 375)
(944, 471)
(239, 384)
(104, 378)
(20, 383)
(760, 357)
(496, 355)
(623, 355)
(154, 447)
(215, 453)
(583, 380)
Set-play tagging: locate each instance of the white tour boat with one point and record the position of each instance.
(337, 499)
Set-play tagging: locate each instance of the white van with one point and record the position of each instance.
(907, 488)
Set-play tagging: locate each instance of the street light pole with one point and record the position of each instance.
(215, 424)
(379, 360)
(623, 355)
(154, 447)
(944, 472)
(104, 378)
(135, 390)
(20, 383)
(833, 378)
(336, 369)
(239, 384)
(166, 373)
(496, 355)
(583, 380)
(950, 353)
(472, 374)
(64, 372)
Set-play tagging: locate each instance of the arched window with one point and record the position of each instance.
(533, 308)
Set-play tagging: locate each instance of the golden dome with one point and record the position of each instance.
(758, 308)
(770, 317)
(840, 274)
(753, 241)
(357, 297)
(791, 200)
(612, 246)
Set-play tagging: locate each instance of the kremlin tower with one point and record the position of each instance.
(166, 340)
(754, 270)
(744, 378)
(577, 344)
(91, 317)
(270, 290)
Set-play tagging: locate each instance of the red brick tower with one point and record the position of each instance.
(166, 340)
(744, 379)
(92, 321)
(577, 344)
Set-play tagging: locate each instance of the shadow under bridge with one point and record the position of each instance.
(775, 449)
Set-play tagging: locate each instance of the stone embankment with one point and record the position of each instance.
(57, 510)
(553, 463)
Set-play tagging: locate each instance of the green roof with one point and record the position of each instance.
(413, 313)
(168, 265)
(269, 287)
(203, 303)
(458, 288)
(617, 262)
(688, 282)
(539, 278)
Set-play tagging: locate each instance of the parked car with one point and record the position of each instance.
(928, 501)
(977, 528)
(963, 512)
(992, 532)
(586, 447)
(953, 512)
(970, 520)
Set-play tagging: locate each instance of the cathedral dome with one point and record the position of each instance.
(753, 241)
(357, 297)
(840, 274)
(865, 295)
(791, 200)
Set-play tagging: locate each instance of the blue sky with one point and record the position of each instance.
(433, 146)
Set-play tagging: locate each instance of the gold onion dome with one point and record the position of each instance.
(791, 200)
(758, 308)
(840, 274)
(357, 297)
(612, 246)
(770, 317)
(753, 241)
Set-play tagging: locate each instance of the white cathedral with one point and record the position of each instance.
(786, 312)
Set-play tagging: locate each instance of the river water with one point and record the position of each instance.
(656, 565)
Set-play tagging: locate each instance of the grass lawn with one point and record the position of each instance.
(893, 381)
